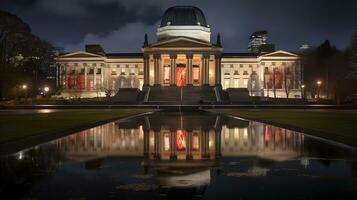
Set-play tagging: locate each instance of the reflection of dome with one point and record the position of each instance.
(184, 21)
(183, 16)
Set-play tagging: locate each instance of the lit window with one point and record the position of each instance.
(245, 83)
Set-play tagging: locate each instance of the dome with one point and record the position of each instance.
(183, 16)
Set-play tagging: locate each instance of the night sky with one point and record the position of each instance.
(119, 25)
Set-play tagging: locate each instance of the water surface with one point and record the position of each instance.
(170, 155)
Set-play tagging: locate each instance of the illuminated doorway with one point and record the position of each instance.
(180, 75)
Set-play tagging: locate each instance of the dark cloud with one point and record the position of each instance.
(120, 24)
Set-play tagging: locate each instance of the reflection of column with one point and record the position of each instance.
(218, 70)
(218, 143)
(146, 70)
(173, 155)
(189, 145)
(146, 143)
(157, 73)
(173, 69)
(157, 152)
(189, 68)
(204, 144)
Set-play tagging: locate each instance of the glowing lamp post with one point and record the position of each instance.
(24, 87)
(303, 91)
(318, 88)
(46, 90)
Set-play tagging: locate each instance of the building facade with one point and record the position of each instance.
(183, 56)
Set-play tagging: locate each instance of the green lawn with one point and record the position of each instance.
(14, 126)
(336, 125)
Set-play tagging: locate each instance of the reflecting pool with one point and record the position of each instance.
(190, 155)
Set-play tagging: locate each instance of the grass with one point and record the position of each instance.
(335, 125)
(19, 126)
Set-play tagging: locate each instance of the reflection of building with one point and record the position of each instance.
(183, 55)
(195, 137)
(182, 148)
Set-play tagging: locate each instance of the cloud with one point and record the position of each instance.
(128, 38)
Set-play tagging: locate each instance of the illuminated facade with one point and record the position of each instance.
(183, 57)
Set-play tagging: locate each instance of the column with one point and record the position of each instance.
(85, 78)
(189, 68)
(218, 70)
(146, 70)
(173, 69)
(94, 77)
(102, 76)
(205, 71)
(157, 73)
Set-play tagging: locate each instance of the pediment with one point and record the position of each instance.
(279, 54)
(181, 42)
(81, 54)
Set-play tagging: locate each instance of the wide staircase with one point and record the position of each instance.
(198, 95)
(167, 95)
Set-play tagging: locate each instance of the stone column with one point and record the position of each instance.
(95, 77)
(189, 68)
(218, 70)
(85, 78)
(173, 69)
(205, 71)
(157, 58)
(146, 70)
(102, 76)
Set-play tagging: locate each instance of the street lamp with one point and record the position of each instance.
(318, 88)
(46, 89)
(24, 87)
(303, 91)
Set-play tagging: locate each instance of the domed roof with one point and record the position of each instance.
(183, 16)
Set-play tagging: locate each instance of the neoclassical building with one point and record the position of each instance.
(183, 64)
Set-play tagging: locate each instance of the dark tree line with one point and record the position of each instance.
(24, 57)
(336, 69)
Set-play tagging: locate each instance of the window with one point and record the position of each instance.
(196, 74)
(250, 66)
(236, 83)
(114, 72)
(245, 83)
(99, 71)
(236, 72)
(226, 72)
(118, 66)
(226, 83)
(136, 65)
(132, 71)
(245, 73)
(232, 66)
(91, 71)
(141, 71)
(127, 66)
(241, 65)
(122, 71)
(254, 84)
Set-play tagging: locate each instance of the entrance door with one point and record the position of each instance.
(180, 75)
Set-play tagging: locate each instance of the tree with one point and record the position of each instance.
(24, 57)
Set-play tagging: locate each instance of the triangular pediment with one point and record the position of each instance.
(279, 54)
(81, 54)
(181, 42)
